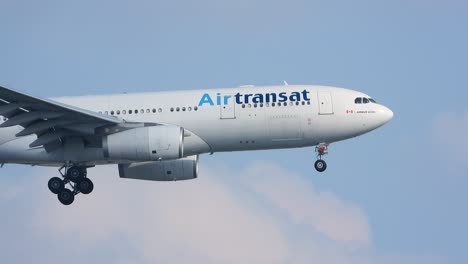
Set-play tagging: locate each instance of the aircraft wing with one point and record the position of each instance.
(53, 121)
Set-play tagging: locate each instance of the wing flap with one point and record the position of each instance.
(6, 108)
(42, 126)
(50, 138)
(51, 121)
(29, 117)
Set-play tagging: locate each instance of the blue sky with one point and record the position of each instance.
(395, 195)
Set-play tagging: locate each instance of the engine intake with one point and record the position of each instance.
(145, 144)
(169, 170)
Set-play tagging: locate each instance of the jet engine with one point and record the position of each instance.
(145, 144)
(168, 170)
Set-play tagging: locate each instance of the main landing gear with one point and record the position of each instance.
(320, 165)
(76, 178)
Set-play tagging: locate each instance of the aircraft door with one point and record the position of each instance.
(325, 103)
(228, 108)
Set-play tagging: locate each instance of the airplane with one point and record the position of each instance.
(159, 136)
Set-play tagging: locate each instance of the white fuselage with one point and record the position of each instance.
(244, 118)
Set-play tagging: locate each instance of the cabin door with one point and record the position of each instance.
(325, 103)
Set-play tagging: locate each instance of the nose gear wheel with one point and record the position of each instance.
(321, 150)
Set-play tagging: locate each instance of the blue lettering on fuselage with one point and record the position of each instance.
(256, 98)
(206, 99)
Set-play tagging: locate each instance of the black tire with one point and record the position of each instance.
(85, 186)
(56, 185)
(84, 172)
(66, 197)
(320, 165)
(75, 174)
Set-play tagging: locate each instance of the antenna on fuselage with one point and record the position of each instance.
(285, 82)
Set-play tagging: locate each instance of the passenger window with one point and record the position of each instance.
(358, 100)
(130, 112)
(365, 100)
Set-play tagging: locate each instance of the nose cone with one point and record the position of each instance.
(385, 114)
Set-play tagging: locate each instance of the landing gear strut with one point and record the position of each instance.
(75, 177)
(320, 165)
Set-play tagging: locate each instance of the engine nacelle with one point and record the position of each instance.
(168, 170)
(145, 144)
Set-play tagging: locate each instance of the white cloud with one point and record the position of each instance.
(171, 221)
(268, 215)
(323, 212)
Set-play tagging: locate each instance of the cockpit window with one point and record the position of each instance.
(363, 100)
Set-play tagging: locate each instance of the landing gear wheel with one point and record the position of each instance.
(85, 186)
(75, 174)
(320, 165)
(66, 197)
(56, 185)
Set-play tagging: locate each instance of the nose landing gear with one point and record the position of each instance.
(320, 165)
(76, 178)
